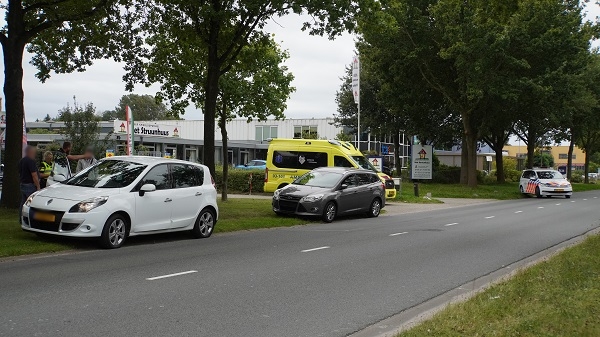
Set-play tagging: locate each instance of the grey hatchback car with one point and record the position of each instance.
(331, 191)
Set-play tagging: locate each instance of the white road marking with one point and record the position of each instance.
(517, 212)
(451, 224)
(595, 197)
(573, 201)
(540, 207)
(171, 275)
(584, 199)
(557, 204)
(395, 234)
(490, 217)
(313, 249)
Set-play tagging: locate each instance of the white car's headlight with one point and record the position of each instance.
(88, 205)
(30, 199)
(312, 198)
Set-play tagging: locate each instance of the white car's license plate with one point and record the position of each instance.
(559, 190)
(46, 217)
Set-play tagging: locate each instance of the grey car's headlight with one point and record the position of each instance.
(313, 198)
(276, 194)
(30, 199)
(88, 205)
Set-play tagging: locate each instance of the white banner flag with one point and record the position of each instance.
(356, 79)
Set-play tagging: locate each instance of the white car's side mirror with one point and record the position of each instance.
(147, 188)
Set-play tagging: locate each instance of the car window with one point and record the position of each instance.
(375, 178)
(199, 175)
(108, 174)
(527, 174)
(350, 180)
(184, 176)
(159, 177)
(339, 161)
(299, 160)
(60, 166)
(319, 179)
(364, 179)
(550, 175)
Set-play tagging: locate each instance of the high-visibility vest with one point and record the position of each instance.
(47, 167)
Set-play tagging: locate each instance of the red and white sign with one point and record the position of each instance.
(356, 79)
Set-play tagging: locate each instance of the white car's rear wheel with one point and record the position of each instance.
(205, 223)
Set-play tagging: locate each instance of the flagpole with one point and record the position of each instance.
(356, 94)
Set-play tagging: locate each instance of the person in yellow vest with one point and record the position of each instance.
(45, 168)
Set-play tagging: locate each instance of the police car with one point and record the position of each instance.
(544, 182)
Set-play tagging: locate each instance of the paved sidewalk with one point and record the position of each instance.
(396, 207)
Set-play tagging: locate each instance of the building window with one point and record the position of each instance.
(264, 132)
(306, 132)
(566, 156)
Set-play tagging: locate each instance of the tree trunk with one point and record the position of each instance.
(471, 140)
(531, 141)
(464, 161)
(398, 163)
(499, 165)
(586, 168)
(15, 111)
(212, 95)
(223, 126)
(570, 157)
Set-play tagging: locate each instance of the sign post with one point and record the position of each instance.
(377, 162)
(356, 94)
(421, 164)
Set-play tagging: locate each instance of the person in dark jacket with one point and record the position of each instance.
(28, 176)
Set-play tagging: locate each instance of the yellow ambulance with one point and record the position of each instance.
(288, 159)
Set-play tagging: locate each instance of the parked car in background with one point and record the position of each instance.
(545, 182)
(330, 192)
(253, 165)
(126, 196)
(288, 159)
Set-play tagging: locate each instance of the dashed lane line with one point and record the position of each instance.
(396, 234)
(171, 275)
(451, 224)
(314, 249)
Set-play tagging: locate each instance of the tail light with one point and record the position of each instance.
(266, 175)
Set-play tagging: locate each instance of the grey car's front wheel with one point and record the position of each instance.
(329, 212)
(114, 232)
(205, 223)
(375, 208)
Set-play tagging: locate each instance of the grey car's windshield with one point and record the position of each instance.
(108, 174)
(549, 175)
(319, 179)
(364, 163)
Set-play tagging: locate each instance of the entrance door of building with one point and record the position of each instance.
(244, 157)
(191, 155)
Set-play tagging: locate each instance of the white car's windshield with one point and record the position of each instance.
(549, 175)
(108, 174)
(319, 179)
(364, 163)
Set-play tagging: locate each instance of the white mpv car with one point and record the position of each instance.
(126, 196)
(545, 182)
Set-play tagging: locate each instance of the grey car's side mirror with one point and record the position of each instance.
(344, 186)
(147, 188)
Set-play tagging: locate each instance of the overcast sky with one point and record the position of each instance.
(316, 62)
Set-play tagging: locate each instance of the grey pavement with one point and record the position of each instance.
(315, 280)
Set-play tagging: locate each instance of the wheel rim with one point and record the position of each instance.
(116, 232)
(330, 212)
(206, 223)
(375, 208)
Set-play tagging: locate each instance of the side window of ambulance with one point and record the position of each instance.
(299, 160)
(339, 161)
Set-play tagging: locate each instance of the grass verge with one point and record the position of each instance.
(235, 215)
(558, 297)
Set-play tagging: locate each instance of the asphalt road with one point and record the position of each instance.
(316, 280)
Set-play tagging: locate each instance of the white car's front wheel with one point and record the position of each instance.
(114, 232)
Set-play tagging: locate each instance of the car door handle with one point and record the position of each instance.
(168, 200)
(198, 194)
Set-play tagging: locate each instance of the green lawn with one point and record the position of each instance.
(235, 215)
(559, 297)
(483, 191)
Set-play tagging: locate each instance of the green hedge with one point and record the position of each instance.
(239, 180)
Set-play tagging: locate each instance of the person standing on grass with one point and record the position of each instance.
(88, 161)
(28, 176)
(66, 150)
(45, 168)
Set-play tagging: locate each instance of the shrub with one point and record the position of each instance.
(577, 176)
(239, 180)
(446, 175)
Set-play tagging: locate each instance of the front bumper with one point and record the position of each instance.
(297, 207)
(81, 225)
(545, 191)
